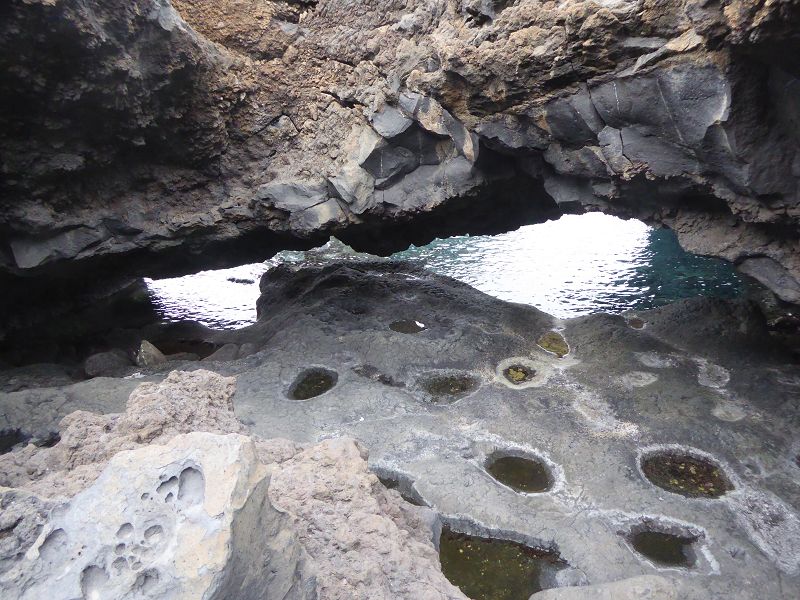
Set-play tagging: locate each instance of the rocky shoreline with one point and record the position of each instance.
(293, 483)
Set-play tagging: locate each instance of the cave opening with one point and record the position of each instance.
(573, 266)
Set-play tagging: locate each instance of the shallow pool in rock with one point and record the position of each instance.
(686, 474)
(312, 383)
(665, 549)
(603, 264)
(446, 388)
(409, 326)
(494, 569)
(521, 474)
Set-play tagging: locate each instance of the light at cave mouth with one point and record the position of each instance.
(577, 265)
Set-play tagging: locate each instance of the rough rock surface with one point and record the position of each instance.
(368, 530)
(701, 376)
(132, 506)
(646, 587)
(200, 401)
(189, 519)
(106, 363)
(143, 137)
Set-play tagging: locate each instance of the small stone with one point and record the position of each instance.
(148, 355)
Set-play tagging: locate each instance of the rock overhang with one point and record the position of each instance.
(437, 126)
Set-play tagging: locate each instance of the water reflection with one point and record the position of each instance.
(574, 266)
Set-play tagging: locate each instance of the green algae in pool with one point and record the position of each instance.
(685, 474)
(445, 389)
(521, 474)
(665, 548)
(312, 383)
(519, 374)
(493, 569)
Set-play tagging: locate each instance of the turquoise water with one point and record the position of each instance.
(577, 265)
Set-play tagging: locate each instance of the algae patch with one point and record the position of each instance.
(447, 388)
(686, 474)
(521, 474)
(518, 374)
(554, 342)
(494, 569)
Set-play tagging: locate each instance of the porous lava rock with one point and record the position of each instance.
(170, 499)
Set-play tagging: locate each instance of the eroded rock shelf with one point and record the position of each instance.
(701, 391)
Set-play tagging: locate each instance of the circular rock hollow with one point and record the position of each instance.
(554, 342)
(518, 374)
(524, 474)
(446, 388)
(312, 382)
(666, 549)
(636, 322)
(407, 326)
(686, 474)
(495, 569)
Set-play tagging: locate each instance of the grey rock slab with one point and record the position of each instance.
(702, 376)
(226, 352)
(619, 392)
(106, 363)
(38, 411)
(390, 122)
(645, 587)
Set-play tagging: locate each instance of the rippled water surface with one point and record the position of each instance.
(574, 266)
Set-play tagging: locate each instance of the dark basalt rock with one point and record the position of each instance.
(133, 146)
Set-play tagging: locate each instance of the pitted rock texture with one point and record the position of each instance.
(145, 138)
(170, 500)
(704, 377)
(181, 403)
(188, 519)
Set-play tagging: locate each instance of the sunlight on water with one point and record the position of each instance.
(569, 267)
(577, 265)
